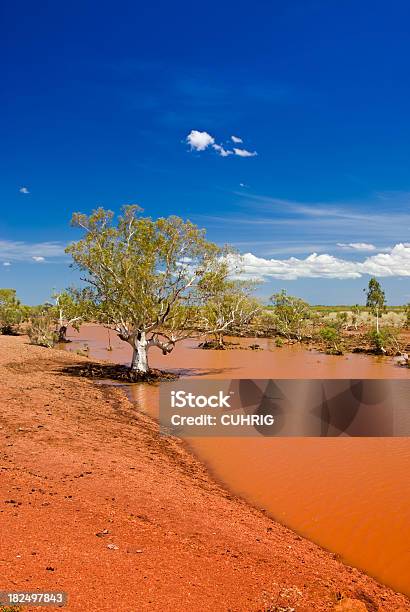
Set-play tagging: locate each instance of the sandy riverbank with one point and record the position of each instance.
(76, 459)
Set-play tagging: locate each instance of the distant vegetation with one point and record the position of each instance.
(157, 282)
(349, 307)
(12, 312)
(45, 324)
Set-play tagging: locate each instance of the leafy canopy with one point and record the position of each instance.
(230, 308)
(12, 312)
(376, 299)
(291, 314)
(146, 275)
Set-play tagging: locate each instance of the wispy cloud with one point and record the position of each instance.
(6, 263)
(236, 139)
(356, 246)
(24, 190)
(222, 152)
(277, 247)
(374, 220)
(11, 250)
(244, 153)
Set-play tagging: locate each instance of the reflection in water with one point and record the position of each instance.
(351, 495)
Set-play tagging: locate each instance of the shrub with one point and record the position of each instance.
(383, 340)
(343, 319)
(42, 331)
(407, 320)
(11, 312)
(291, 315)
(332, 338)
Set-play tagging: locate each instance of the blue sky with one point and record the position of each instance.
(99, 99)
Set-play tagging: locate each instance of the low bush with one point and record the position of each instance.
(42, 332)
(383, 341)
(332, 339)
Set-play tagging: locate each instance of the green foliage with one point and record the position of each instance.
(356, 311)
(42, 329)
(343, 318)
(12, 313)
(407, 314)
(375, 299)
(147, 277)
(71, 307)
(383, 340)
(348, 307)
(265, 320)
(68, 308)
(291, 314)
(331, 336)
(229, 309)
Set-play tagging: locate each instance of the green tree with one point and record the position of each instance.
(332, 338)
(291, 314)
(42, 328)
(376, 300)
(11, 311)
(69, 309)
(148, 277)
(231, 308)
(356, 316)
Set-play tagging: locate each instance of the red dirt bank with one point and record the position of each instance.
(77, 459)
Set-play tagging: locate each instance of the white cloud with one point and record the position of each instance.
(395, 263)
(24, 190)
(243, 185)
(244, 153)
(11, 250)
(357, 246)
(222, 152)
(6, 263)
(313, 266)
(199, 141)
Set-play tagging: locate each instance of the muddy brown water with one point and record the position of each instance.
(350, 495)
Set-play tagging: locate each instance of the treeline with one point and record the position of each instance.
(373, 328)
(45, 324)
(156, 282)
(231, 311)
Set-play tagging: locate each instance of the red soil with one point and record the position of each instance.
(77, 459)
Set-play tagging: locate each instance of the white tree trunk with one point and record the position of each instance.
(139, 361)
